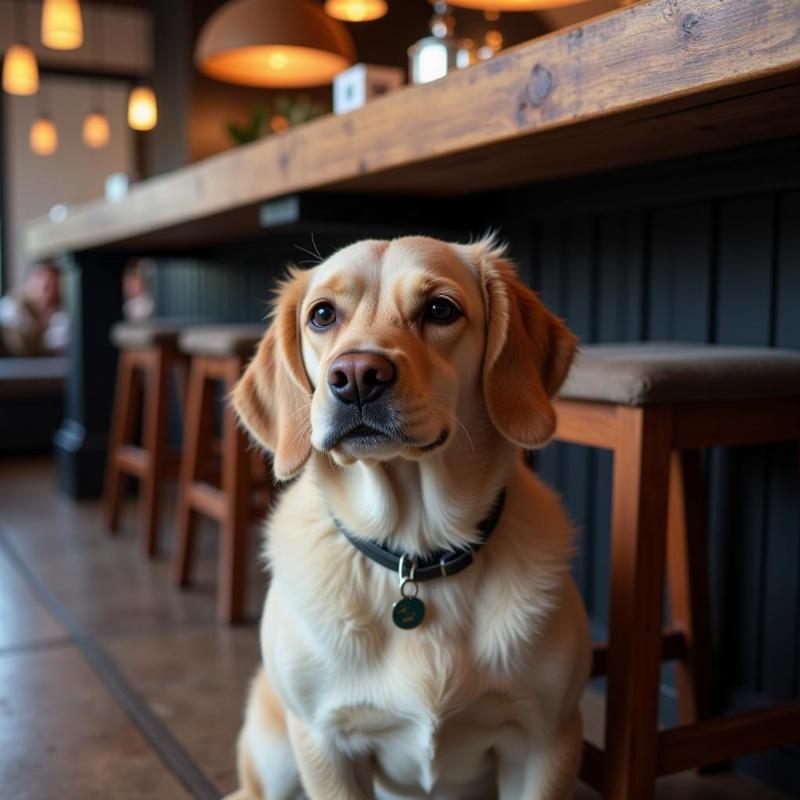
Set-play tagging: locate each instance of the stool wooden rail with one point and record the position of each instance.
(219, 355)
(655, 407)
(148, 357)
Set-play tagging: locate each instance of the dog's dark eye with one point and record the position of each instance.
(441, 311)
(323, 315)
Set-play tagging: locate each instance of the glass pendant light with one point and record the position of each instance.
(20, 70)
(43, 137)
(142, 109)
(279, 43)
(62, 24)
(96, 129)
(356, 10)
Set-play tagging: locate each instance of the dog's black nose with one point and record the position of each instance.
(360, 377)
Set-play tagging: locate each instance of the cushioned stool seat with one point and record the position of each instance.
(220, 340)
(656, 406)
(229, 495)
(667, 372)
(148, 358)
(144, 334)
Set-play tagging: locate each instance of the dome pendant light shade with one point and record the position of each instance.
(142, 109)
(356, 10)
(514, 5)
(43, 137)
(20, 70)
(279, 43)
(62, 24)
(96, 130)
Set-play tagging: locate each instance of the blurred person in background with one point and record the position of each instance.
(137, 300)
(32, 322)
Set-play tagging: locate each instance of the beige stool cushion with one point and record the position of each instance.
(220, 340)
(144, 334)
(674, 372)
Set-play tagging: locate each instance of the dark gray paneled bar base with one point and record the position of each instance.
(93, 290)
(701, 249)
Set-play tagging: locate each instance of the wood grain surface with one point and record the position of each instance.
(658, 79)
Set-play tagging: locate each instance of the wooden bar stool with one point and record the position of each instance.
(148, 356)
(223, 492)
(655, 405)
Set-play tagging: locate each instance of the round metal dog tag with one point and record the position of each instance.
(408, 612)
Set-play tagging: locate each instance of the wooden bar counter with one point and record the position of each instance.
(651, 81)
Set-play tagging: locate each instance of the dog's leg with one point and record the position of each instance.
(327, 774)
(547, 774)
(267, 769)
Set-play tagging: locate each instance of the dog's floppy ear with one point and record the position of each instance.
(528, 351)
(273, 397)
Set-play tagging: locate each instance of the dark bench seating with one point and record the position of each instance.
(31, 402)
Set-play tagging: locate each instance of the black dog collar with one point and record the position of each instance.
(438, 564)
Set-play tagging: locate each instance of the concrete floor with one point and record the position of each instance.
(115, 685)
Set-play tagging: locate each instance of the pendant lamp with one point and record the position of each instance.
(20, 69)
(43, 137)
(96, 128)
(356, 10)
(142, 109)
(62, 24)
(278, 43)
(514, 5)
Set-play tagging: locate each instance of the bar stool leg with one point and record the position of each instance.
(122, 426)
(236, 488)
(688, 582)
(639, 526)
(199, 421)
(156, 387)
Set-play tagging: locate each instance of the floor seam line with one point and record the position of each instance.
(153, 730)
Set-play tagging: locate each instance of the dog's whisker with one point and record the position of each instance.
(455, 419)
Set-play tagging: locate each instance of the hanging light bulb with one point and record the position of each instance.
(356, 10)
(96, 130)
(43, 137)
(142, 109)
(62, 24)
(20, 70)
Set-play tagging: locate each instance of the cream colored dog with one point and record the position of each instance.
(400, 380)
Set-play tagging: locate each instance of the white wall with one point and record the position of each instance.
(75, 173)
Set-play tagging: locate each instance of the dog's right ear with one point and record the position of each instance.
(273, 397)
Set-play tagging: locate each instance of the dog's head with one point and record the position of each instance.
(387, 349)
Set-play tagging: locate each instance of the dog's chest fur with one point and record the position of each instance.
(428, 705)
(419, 704)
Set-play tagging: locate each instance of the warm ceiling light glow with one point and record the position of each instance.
(20, 70)
(514, 5)
(43, 137)
(62, 24)
(96, 130)
(278, 60)
(142, 109)
(279, 43)
(356, 10)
